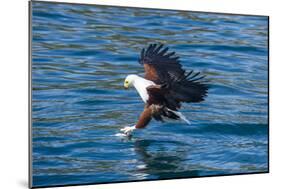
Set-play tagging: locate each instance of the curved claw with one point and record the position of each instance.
(128, 130)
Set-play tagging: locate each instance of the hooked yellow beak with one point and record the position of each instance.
(126, 84)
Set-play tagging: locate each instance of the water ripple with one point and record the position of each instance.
(80, 57)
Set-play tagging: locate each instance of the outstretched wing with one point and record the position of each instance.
(164, 68)
(159, 65)
(189, 88)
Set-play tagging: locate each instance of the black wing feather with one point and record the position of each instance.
(166, 64)
(182, 86)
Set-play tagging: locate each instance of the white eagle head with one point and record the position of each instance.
(129, 81)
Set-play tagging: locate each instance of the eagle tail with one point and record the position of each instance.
(176, 115)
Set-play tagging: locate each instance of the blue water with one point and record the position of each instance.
(80, 57)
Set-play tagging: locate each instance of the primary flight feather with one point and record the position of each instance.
(164, 87)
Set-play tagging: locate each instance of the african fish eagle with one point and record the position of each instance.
(164, 87)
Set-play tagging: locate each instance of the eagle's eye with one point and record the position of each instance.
(126, 82)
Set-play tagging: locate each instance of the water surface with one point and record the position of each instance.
(80, 57)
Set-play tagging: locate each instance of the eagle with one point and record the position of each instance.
(165, 86)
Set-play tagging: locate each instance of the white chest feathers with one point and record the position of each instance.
(141, 84)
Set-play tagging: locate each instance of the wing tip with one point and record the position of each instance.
(157, 51)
